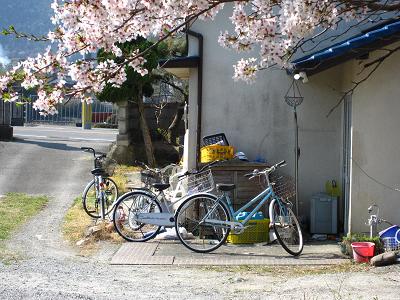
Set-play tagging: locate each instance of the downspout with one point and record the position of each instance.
(199, 90)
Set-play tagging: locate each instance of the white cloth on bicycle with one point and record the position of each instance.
(170, 234)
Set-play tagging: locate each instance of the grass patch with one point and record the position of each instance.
(120, 178)
(291, 271)
(15, 210)
(127, 169)
(77, 224)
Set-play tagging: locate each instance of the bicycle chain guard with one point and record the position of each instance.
(238, 228)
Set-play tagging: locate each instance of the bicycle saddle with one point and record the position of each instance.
(225, 187)
(98, 172)
(161, 186)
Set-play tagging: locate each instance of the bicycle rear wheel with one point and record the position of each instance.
(90, 201)
(192, 227)
(286, 227)
(125, 216)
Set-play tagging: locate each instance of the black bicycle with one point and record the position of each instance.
(100, 193)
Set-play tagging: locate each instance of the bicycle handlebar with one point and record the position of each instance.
(89, 149)
(210, 164)
(146, 166)
(193, 172)
(96, 158)
(266, 170)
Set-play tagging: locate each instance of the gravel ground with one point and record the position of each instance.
(50, 269)
(76, 278)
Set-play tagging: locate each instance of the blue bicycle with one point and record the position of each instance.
(208, 218)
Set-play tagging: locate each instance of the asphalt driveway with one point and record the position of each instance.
(48, 160)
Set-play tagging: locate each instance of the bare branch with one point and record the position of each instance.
(376, 63)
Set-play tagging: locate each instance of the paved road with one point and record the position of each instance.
(46, 160)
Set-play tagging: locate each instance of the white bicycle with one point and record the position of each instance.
(140, 214)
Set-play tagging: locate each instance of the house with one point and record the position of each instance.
(370, 119)
(357, 145)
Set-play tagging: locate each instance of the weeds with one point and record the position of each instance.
(15, 210)
(78, 226)
(290, 271)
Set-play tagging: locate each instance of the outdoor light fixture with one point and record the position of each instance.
(295, 100)
(300, 75)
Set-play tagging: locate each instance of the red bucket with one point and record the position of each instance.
(363, 251)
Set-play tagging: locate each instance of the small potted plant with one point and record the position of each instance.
(345, 244)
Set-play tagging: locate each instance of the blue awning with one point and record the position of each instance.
(351, 48)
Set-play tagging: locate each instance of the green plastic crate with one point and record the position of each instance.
(256, 231)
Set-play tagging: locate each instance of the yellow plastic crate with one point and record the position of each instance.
(256, 232)
(215, 152)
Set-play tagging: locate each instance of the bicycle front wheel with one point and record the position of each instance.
(200, 223)
(91, 202)
(286, 227)
(126, 212)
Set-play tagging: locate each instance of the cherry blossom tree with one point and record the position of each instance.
(135, 86)
(273, 29)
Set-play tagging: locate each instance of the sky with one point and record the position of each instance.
(30, 16)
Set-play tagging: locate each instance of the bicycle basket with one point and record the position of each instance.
(391, 244)
(283, 185)
(99, 162)
(148, 177)
(200, 182)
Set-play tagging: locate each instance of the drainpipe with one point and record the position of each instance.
(199, 90)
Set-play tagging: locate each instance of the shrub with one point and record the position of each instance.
(345, 244)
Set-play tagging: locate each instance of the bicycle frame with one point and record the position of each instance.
(167, 202)
(100, 195)
(167, 218)
(261, 199)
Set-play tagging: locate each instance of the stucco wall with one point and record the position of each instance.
(257, 120)
(376, 144)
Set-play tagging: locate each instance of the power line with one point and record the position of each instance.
(373, 179)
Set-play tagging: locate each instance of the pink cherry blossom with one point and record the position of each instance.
(272, 30)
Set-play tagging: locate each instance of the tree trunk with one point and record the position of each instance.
(175, 124)
(148, 144)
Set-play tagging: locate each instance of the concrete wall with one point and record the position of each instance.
(376, 143)
(129, 124)
(256, 119)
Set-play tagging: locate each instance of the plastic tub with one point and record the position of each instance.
(363, 251)
(391, 232)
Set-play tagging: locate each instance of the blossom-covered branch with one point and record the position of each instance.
(274, 28)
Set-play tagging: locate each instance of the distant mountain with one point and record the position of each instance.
(30, 16)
